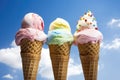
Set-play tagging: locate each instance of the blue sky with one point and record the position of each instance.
(107, 13)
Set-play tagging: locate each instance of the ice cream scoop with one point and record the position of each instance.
(31, 28)
(88, 35)
(87, 30)
(59, 32)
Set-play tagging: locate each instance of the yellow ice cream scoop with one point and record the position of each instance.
(59, 23)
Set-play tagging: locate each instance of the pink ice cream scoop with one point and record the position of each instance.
(31, 28)
(87, 30)
(88, 35)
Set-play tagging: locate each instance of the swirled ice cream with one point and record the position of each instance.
(31, 28)
(59, 32)
(87, 30)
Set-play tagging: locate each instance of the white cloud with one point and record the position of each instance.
(11, 57)
(8, 76)
(74, 68)
(115, 44)
(114, 22)
(13, 44)
(45, 68)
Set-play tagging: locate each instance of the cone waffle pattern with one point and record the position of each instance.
(89, 55)
(60, 56)
(30, 53)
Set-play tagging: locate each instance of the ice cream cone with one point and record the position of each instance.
(89, 55)
(30, 54)
(59, 55)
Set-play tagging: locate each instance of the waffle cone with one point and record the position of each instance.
(59, 55)
(30, 54)
(89, 55)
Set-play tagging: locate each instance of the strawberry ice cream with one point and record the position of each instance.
(31, 28)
